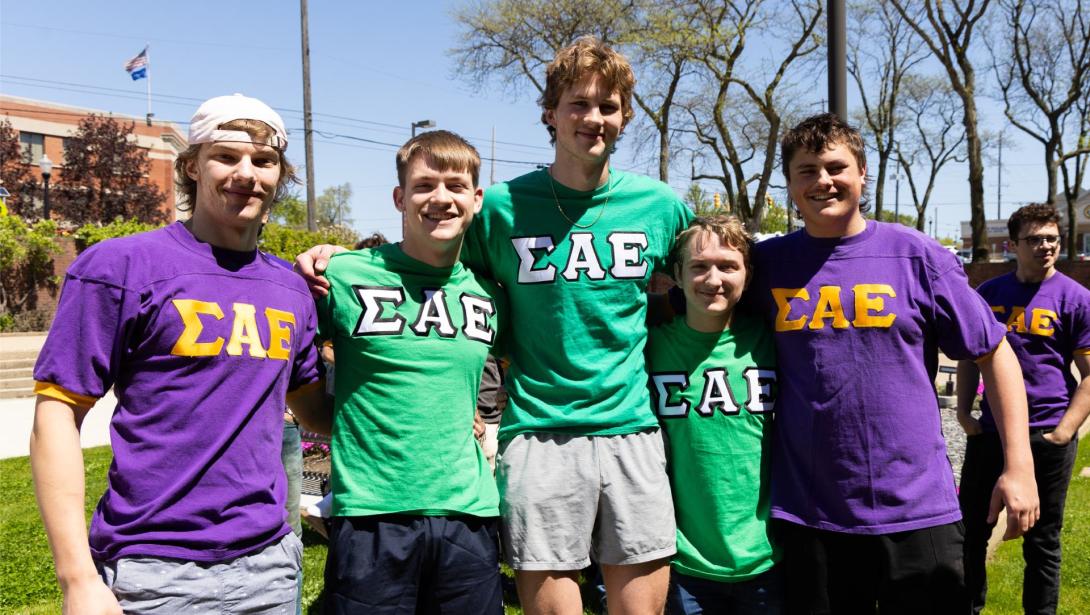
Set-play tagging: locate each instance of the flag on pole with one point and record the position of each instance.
(137, 67)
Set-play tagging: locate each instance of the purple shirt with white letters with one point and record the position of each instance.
(858, 445)
(200, 345)
(1047, 324)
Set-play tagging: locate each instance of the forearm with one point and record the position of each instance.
(313, 408)
(1007, 400)
(968, 377)
(1077, 411)
(57, 466)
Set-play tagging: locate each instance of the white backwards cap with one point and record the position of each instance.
(214, 112)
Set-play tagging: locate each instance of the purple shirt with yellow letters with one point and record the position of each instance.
(858, 445)
(1047, 324)
(201, 346)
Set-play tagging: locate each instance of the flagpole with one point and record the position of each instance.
(147, 58)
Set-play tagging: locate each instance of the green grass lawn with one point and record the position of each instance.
(1005, 568)
(28, 585)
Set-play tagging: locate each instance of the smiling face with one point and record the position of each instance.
(1036, 256)
(438, 206)
(827, 187)
(588, 119)
(712, 275)
(235, 184)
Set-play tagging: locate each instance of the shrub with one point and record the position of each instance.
(26, 265)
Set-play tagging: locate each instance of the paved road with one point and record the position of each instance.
(18, 415)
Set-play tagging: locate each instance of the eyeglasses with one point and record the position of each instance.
(1038, 240)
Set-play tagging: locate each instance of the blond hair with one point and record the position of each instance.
(444, 150)
(587, 55)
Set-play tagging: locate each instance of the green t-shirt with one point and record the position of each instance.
(714, 393)
(578, 296)
(410, 342)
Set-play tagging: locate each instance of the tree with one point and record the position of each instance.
(512, 41)
(738, 119)
(290, 211)
(26, 264)
(947, 28)
(105, 175)
(15, 173)
(334, 205)
(1042, 66)
(932, 136)
(884, 50)
(699, 201)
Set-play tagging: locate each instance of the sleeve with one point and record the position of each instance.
(487, 392)
(82, 354)
(680, 218)
(1080, 328)
(966, 326)
(474, 247)
(307, 368)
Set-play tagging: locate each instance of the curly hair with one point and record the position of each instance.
(1034, 213)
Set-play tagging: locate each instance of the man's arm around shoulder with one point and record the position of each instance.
(56, 462)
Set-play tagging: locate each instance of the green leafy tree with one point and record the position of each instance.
(699, 200)
(26, 265)
(105, 175)
(334, 205)
(775, 218)
(15, 173)
(290, 211)
(90, 234)
(287, 243)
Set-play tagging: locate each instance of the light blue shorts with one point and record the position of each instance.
(262, 582)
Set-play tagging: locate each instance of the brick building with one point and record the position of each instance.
(43, 127)
(998, 239)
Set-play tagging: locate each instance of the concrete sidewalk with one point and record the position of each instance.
(19, 415)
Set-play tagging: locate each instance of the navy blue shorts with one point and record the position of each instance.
(407, 564)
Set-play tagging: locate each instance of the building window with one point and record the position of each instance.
(33, 145)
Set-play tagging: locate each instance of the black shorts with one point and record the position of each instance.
(918, 571)
(406, 564)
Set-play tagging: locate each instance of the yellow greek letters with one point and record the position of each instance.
(1017, 320)
(828, 306)
(868, 306)
(1040, 320)
(244, 331)
(868, 300)
(279, 335)
(783, 297)
(187, 344)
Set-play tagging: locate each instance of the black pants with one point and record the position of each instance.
(917, 572)
(407, 564)
(1052, 467)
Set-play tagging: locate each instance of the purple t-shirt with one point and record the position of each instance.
(858, 444)
(1047, 324)
(201, 346)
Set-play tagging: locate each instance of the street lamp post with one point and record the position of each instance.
(422, 124)
(46, 166)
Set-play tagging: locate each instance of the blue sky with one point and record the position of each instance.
(375, 68)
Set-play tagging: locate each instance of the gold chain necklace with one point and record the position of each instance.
(556, 200)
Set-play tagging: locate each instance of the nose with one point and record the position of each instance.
(244, 170)
(824, 178)
(442, 195)
(594, 115)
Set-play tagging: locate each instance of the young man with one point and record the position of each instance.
(581, 465)
(714, 385)
(201, 337)
(415, 507)
(1047, 316)
(860, 477)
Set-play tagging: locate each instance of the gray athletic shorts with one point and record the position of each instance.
(565, 498)
(261, 582)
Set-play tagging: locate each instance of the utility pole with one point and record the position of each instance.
(897, 199)
(999, 183)
(308, 133)
(838, 74)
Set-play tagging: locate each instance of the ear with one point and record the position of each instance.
(550, 117)
(478, 199)
(677, 273)
(399, 192)
(191, 169)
